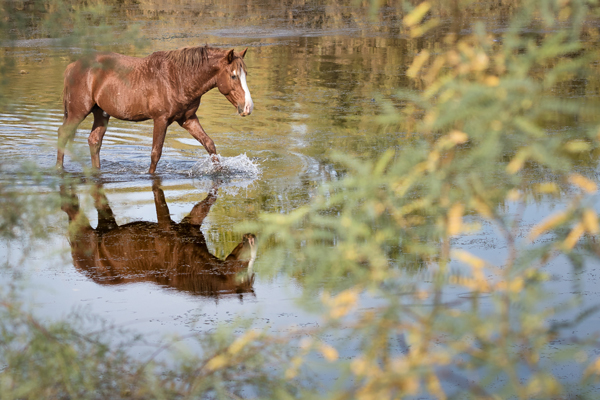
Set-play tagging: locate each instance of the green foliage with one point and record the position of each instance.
(481, 130)
(82, 357)
(23, 211)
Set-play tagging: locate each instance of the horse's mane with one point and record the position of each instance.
(189, 56)
(193, 57)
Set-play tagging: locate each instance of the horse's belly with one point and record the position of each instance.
(121, 101)
(124, 107)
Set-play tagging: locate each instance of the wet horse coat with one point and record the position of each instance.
(166, 87)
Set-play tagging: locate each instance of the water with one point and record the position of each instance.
(271, 161)
(314, 75)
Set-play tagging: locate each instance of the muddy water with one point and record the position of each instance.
(314, 75)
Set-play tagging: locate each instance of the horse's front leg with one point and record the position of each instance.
(158, 139)
(192, 125)
(95, 139)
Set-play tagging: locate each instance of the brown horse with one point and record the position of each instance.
(164, 252)
(165, 86)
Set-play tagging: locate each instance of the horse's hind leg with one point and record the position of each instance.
(158, 139)
(66, 133)
(95, 139)
(74, 113)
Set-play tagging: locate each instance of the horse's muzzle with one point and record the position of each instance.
(245, 109)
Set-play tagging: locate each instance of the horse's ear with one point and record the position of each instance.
(230, 56)
(243, 53)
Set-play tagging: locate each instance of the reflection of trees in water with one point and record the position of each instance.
(170, 254)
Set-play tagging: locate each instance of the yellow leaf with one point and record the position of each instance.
(492, 81)
(306, 343)
(446, 95)
(458, 137)
(417, 64)
(577, 146)
(242, 341)
(480, 62)
(455, 215)
(432, 160)
(411, 385)
(549, 223)
(590, 221)
(516, 285)
(419, 30)
(216, 362)
(547, 187)
(574, 236)
(534, 387)
(343, 303)
(564, 14)
(435, 68)
(468, 258)
(434, 387)
(584, 183)
(350, 254)
(329, 352)
(513, 195)
(515, 165)
(292, 371)
(593, 368)
(478, 282)
(517, 162)
(417, 14)
(358, 366)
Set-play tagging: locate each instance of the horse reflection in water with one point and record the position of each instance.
(167, 253)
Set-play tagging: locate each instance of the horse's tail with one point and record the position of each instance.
(66, 91)
(65, 112)
(65, 96)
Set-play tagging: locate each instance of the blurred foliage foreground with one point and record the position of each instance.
(483, 122)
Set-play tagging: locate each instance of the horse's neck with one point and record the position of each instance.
(202, 80)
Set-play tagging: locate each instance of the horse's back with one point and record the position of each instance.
(100, 64)
(116, 83)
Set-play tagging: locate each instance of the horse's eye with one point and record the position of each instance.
(233, 76)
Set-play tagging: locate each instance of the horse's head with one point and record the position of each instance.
(231, 82)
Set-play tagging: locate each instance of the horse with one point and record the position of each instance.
(165, 86)
(164, 252)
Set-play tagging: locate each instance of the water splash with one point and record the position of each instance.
(229, 167)
(233, 173)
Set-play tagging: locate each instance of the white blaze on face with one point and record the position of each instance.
(248, 106)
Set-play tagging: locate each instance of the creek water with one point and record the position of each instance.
(313, 89)
(314, 74)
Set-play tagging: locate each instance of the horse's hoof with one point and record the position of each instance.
(217, 166)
